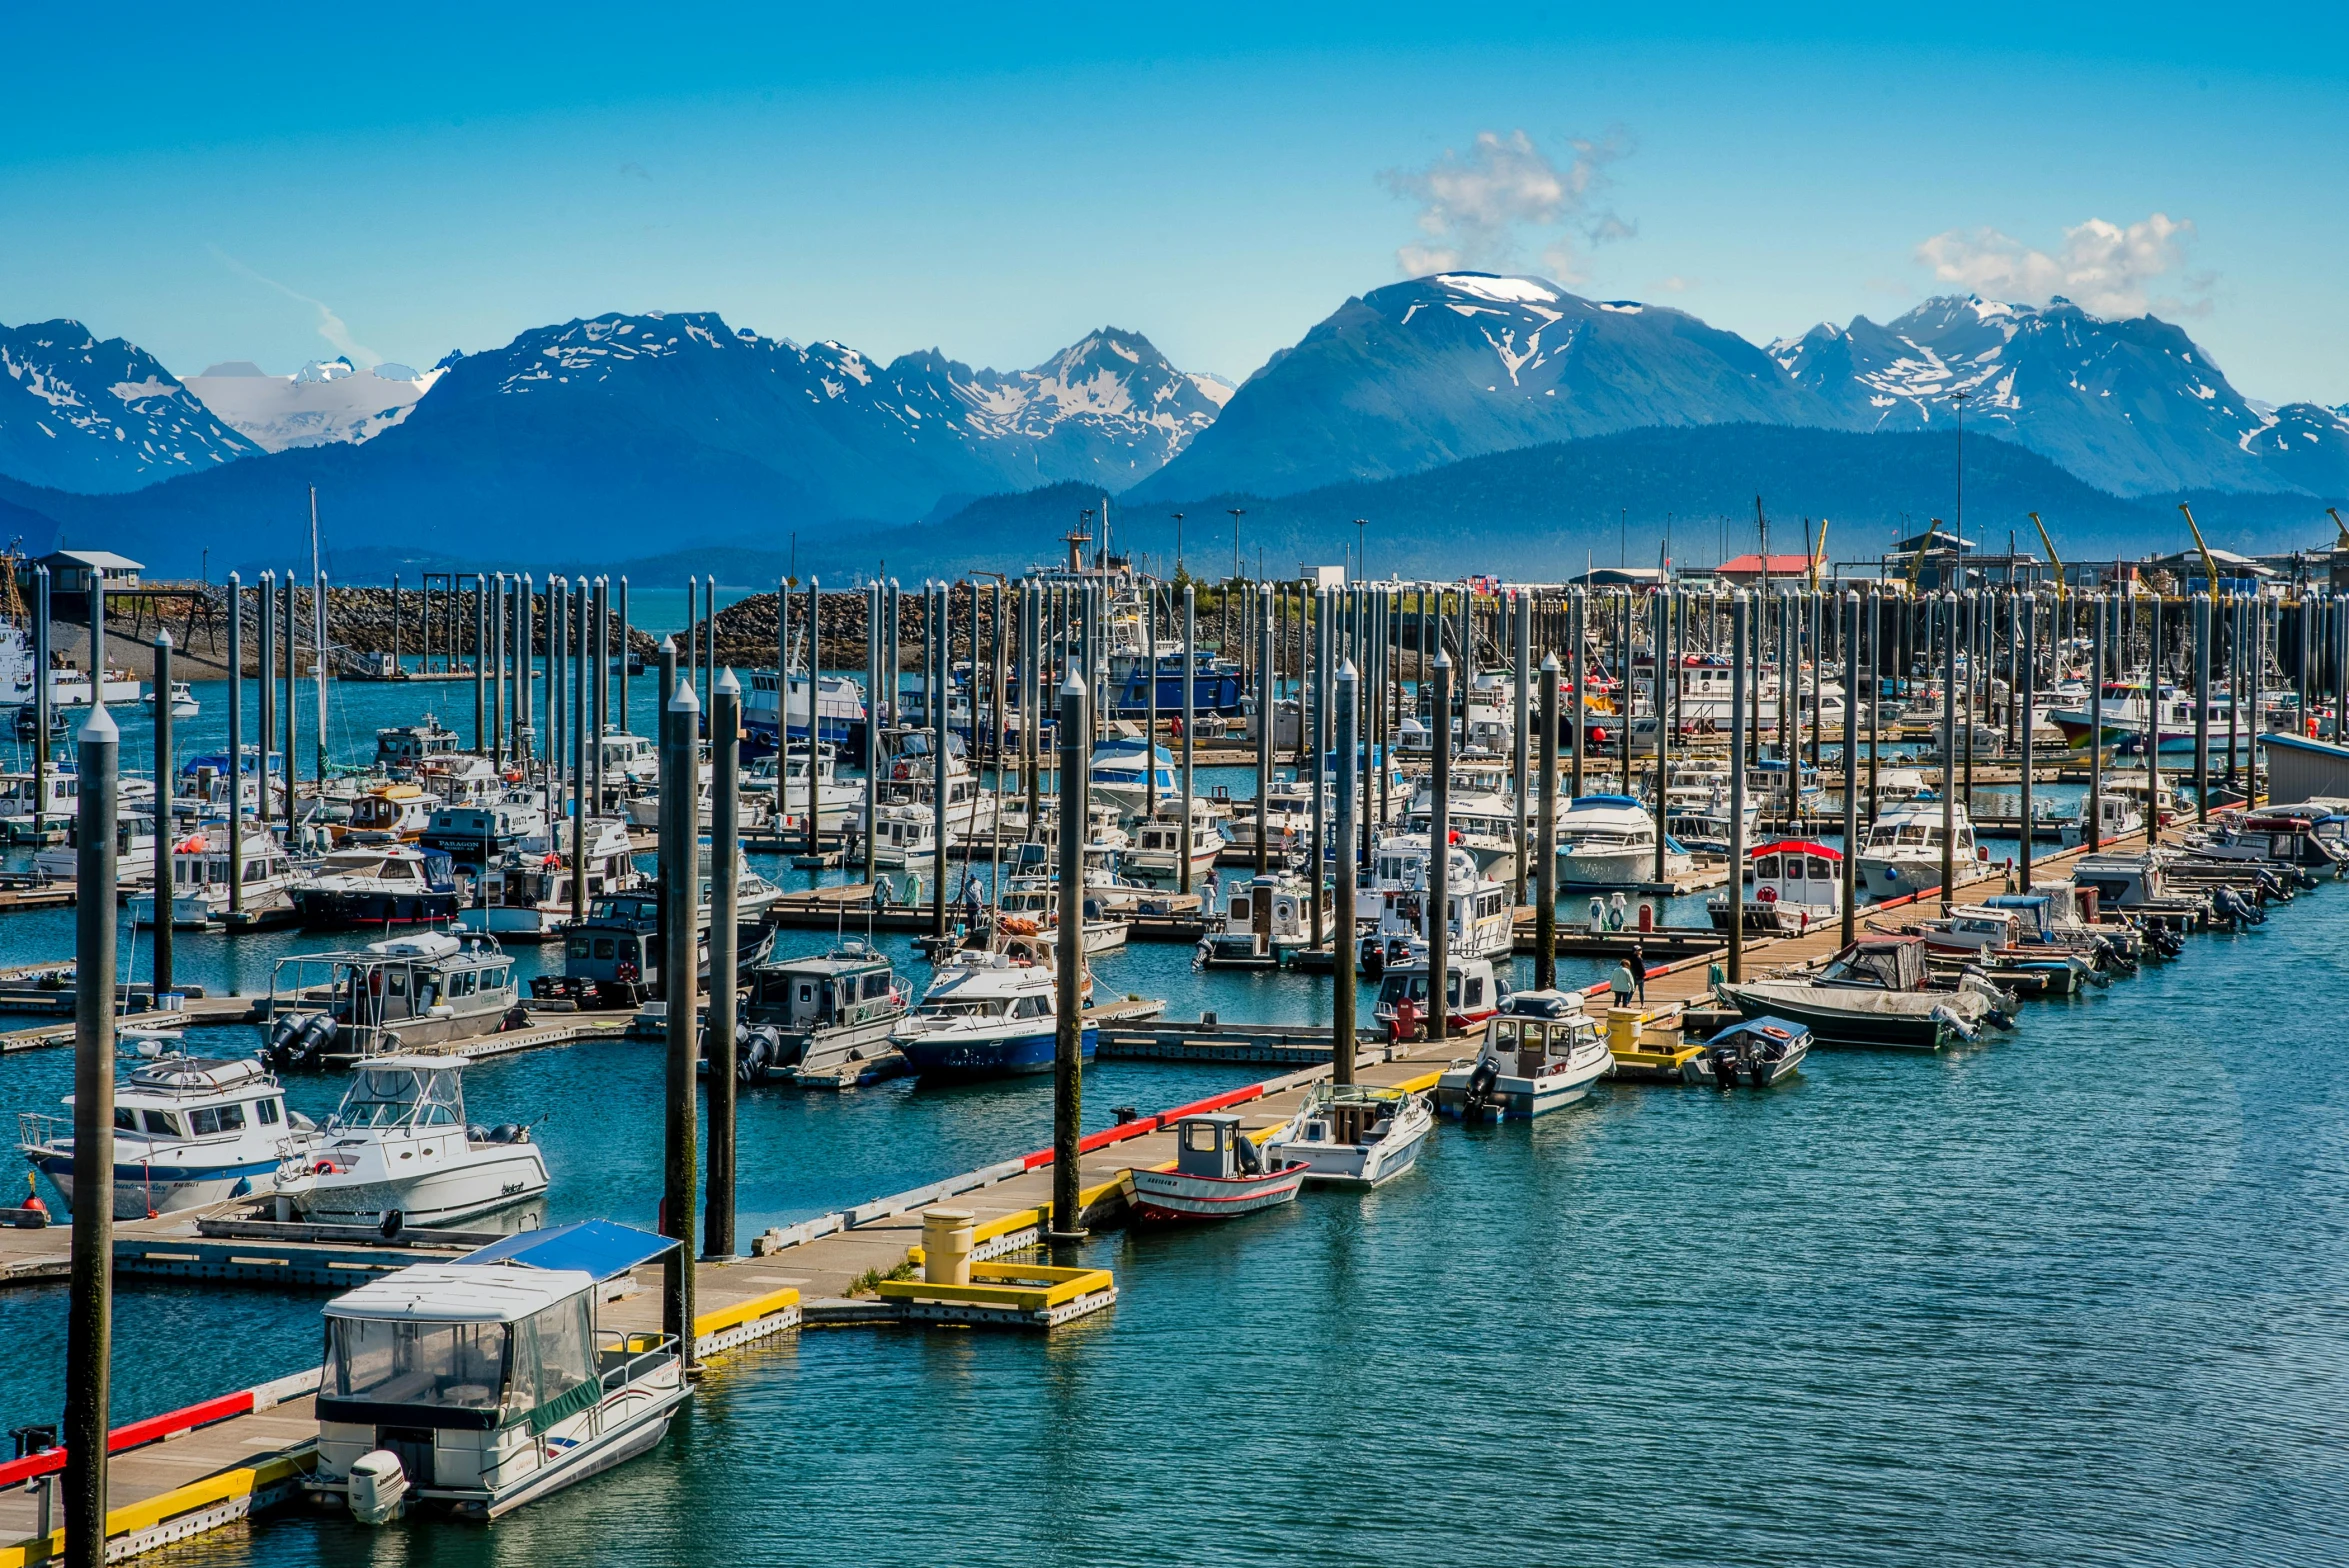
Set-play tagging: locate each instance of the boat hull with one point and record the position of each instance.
(1170, 1197)
(442, 1197)
(951, 1056)
(1359, 1164)
(322, 909)
(161, 1189)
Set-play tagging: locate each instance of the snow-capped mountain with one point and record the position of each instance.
(2134, 407)
(81, 413)
(869, 438)
(611, 437)
(326, 400)
(1459, 364)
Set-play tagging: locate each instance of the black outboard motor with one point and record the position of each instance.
(758, 1052)
(1477, 1100)
(300, 1040)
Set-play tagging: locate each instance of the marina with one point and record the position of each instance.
(1229, 1054)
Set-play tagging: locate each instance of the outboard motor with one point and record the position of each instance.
(1477, 1099)
(300, 1039)
(758, 1052)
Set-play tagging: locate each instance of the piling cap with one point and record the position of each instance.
(1549, 664)
(163, 639)
(99, 726)
(726, 685)
(1442, 660)
(1347, 672)
(1072, 687)
(668, 645)
(682, 700)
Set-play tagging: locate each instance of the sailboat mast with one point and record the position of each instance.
(318, 641)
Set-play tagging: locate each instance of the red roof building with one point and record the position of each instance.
(1746, 570)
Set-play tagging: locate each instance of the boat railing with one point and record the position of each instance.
(40, 1130)
(630, 1356)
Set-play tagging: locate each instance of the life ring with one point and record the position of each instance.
(323, 1168)
(1768, 895)
(902, 770)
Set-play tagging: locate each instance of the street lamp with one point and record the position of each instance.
(1178, 517)
(1361, 566)
(1237, 512)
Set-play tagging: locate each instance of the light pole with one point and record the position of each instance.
(1237, 512)
(1178, 517)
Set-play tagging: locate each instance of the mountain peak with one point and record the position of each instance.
(80, 413)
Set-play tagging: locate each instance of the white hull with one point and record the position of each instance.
(492, 1179)
(1361, 1164)
(1616, 867)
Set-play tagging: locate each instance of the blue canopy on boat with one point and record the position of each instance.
(596, 1247)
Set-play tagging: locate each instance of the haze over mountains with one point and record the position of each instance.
(623, 437)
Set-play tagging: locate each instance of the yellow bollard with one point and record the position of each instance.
(1623, 1029)
(946, 1246)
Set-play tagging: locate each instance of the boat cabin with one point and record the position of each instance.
(403, 748)
(849, 986)
(490, 1380)
(396, 812)
(419, 989)
(1538, 1030)
(1210, 1144)
(195, 1129)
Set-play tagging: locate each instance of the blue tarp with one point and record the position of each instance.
(596, 1247)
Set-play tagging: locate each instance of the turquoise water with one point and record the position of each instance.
(2074, 1296)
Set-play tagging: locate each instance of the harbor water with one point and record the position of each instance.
(2075, 1295)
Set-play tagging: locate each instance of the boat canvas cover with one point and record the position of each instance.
(1897, 963)
(455, 1293)
(597, 1248)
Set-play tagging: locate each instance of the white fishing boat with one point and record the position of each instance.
(904, 836)
(525, 894)
(1474, 990)
(1355, 1135)
(183, 701)
(1610, 841)
(1398, 898)
(1030, 907)
(200, 878)
(134, 845)
(1219, 1173)
(1540, 1053)
(1901, 851)
(784, 780)
(486, 1383)
(1797, 884)
(986, 1017)
(398, 1151)
(1264, 922)
(188, 1131)
(1158, 841)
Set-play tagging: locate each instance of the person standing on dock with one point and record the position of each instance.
(1622, 983)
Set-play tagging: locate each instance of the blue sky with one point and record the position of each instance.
(265, 182)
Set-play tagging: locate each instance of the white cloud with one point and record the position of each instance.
(2102, 267)
(330, 326)
(1476, 210)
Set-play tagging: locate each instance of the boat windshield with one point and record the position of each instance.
(390, 1096)
(989, 1008)
(454, 1366)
